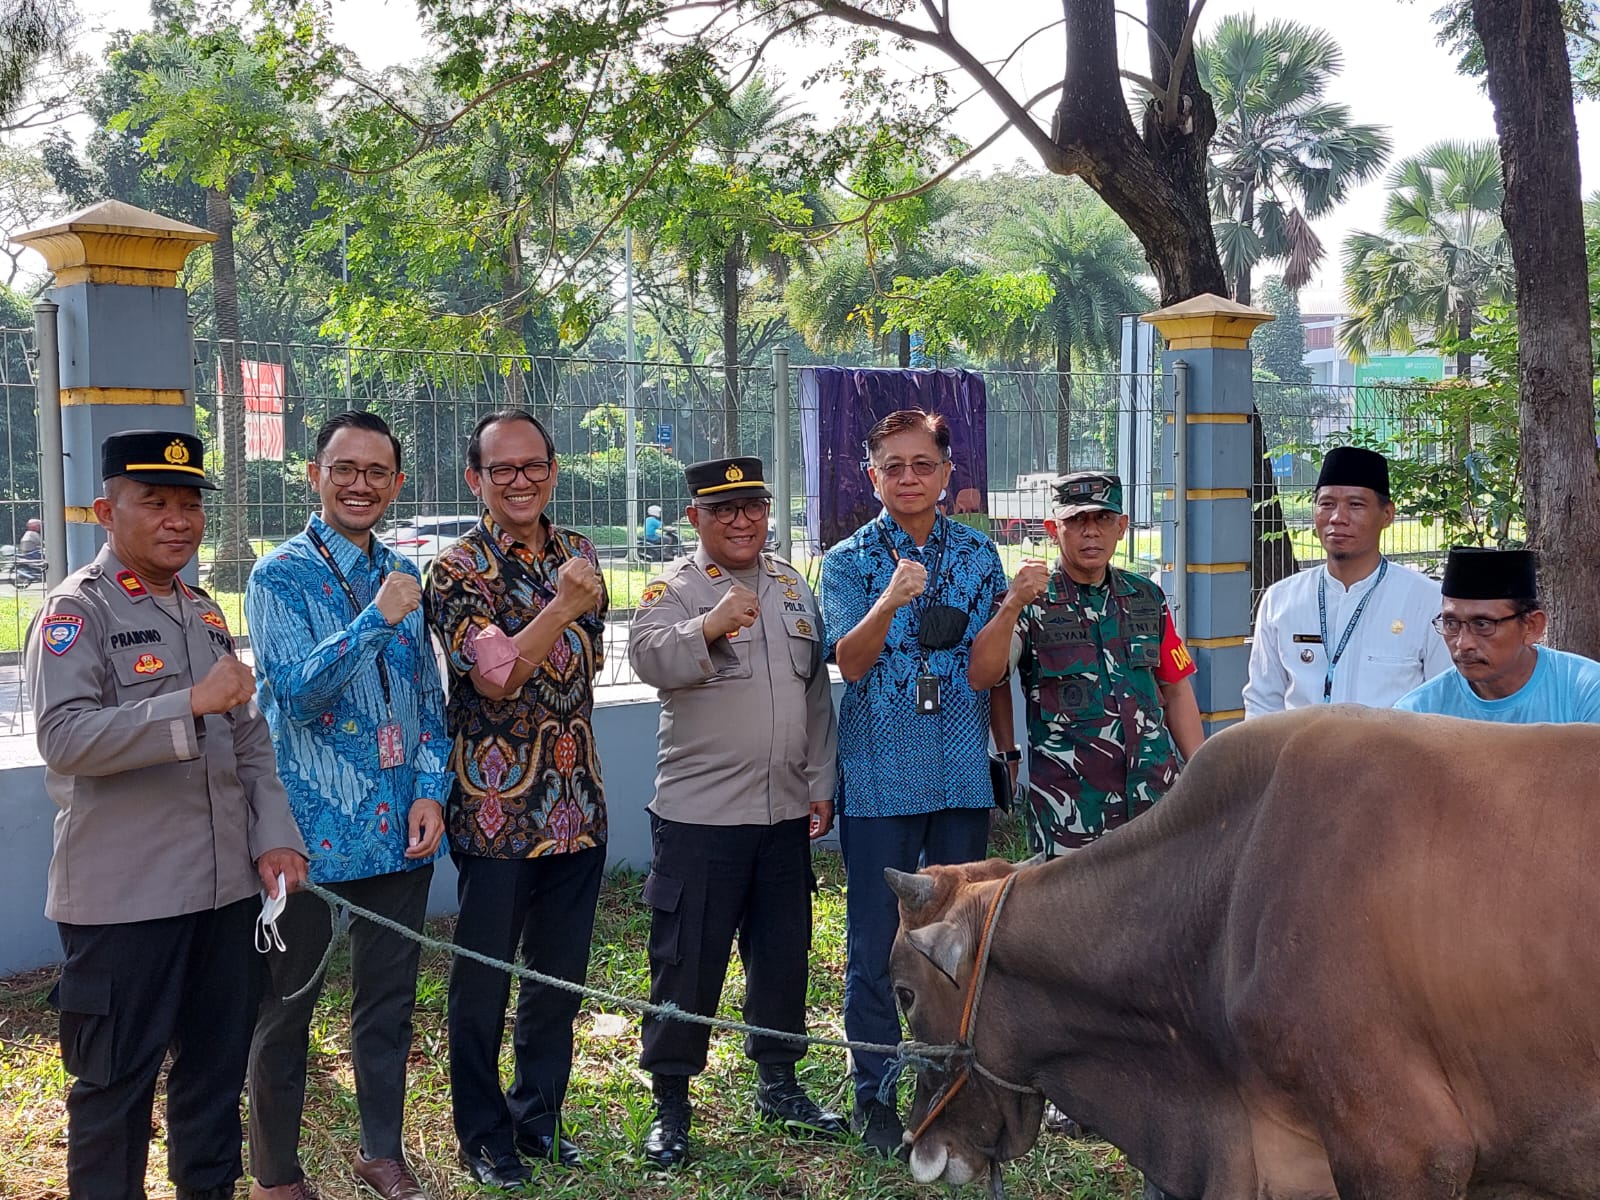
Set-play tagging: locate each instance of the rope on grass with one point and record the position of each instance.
(912, 1055)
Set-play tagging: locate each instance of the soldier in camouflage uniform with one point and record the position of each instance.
(1110, 706)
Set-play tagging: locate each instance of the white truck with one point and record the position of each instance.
(1021, 512)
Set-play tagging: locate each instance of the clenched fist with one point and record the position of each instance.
(737, 609)
(909, 581)
(578, 587)
(398, 596)
(1031, 582)
(227, 685)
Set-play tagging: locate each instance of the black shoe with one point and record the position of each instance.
(878, 1125)
(780, 1098)
(667, 1144)
(542, 1147)
(225, 1192)
(504, 1171)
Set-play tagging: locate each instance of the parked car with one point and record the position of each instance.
(423, 539)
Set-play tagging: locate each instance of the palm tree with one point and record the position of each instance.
(738, 212)
(1441, 257)
(1091, 260)
(835, 300)
(1282, 155)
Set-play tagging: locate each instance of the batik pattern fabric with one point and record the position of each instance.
(1091, 664)
(893, 760)
(525, 772)
(316, 660)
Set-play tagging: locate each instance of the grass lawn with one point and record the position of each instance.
(608, 1106)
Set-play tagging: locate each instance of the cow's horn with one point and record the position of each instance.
(915, 891)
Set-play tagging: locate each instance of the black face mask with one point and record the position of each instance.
(942, 627)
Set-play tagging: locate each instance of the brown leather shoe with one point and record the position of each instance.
(300, 1189)
(389, 1177)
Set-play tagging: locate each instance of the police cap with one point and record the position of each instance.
(722, 479)
(161, 457)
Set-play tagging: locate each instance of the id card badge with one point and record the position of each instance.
(391, 745)
(927, 694)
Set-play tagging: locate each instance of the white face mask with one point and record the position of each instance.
(267, 935)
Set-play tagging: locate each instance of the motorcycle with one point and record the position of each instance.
(20, 571)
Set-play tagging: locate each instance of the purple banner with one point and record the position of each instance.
(838, 405)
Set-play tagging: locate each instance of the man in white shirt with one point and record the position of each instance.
(1355, 630)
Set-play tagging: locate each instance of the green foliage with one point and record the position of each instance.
(1282, 155)
(982, 311)
(1476, 498)
(609, 423)
(1579, 17)
(1442, 255)
(1280, 344)
(593, 487)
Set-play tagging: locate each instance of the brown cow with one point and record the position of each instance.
(1353, 953)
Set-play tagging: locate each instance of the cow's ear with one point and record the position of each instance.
(915, 891)
(943, 944)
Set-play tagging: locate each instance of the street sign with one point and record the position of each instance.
(664, 435)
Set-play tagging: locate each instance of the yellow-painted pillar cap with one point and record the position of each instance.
(1208, 322)
(113, 242)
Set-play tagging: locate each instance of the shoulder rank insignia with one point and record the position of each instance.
(713, 571)
(214, 620)
(148, 664)
(59, 631)
(131, 583)
(652, 593)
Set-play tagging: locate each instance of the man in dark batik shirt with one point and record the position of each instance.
(526, 816)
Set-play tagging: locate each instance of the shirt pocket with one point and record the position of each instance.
(147, 667)
(805, 646)
(1387, 677)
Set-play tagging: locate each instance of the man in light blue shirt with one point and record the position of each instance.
(1492, 621)
(349, 684)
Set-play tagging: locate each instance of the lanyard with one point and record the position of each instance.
(350, 595)
(930, 593)
(1344, 639)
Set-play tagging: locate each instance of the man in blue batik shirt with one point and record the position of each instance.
(350, 687)
(902, 599)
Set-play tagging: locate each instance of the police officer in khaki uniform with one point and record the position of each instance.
(744, 779)
(171, 818)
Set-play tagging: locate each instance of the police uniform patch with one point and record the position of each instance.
(148, 664)
(651, 594)
(1397, 627)
(790, 594)
(803, 626)
(131, 583)
(713, 571)
(214, 620)
(59, 631)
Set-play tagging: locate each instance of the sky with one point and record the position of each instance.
(1394, 75)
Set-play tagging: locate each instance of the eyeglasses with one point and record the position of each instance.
(920, 467)
(726, 514)
(1479, 627)
(535, 471)
(344, 474)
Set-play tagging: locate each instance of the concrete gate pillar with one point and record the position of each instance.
(126, 361)
(1208, 356)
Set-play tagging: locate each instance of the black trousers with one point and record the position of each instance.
(383, 973)
(709, 884)
(128, 994)
(546, 906)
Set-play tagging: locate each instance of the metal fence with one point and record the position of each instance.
(1294, 423)
(1038, 424)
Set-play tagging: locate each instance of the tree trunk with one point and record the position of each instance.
(1063, 406)
(1463, 430)
(730, 350)
(1271, 553)
(1247, 218)
(511, 308)
(234, 555)
(1530, 83)
(902, 342)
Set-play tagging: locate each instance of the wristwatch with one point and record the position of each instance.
(1012, 755)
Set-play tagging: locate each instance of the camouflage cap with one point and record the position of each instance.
(1087, 491)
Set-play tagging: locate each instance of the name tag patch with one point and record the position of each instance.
(59, 631)
(124, 638)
